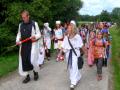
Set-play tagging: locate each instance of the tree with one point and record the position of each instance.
(105, 16)
(10, 15)
(116, 15)
(40, 10)
(65, 10)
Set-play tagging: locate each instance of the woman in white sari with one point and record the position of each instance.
(71, 58)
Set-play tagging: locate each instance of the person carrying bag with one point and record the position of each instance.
(80, 58)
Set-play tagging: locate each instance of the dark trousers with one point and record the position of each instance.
(99, 64)
(47, 53)
(105, 60)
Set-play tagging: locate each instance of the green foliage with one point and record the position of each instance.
(105, 16)
(40, 11)
(6, 38)
(8, 64)
(116, 16)
(115, 57)
(65, 10)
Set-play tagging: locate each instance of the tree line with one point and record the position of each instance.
(113, 16)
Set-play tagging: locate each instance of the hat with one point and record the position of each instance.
(46, 24)
(58, 22)
(73, 22)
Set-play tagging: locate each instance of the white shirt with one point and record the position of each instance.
(76, 42)
(58, 33)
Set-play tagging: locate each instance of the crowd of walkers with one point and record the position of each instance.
(70, 42)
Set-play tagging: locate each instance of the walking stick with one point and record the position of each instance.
(8, 48)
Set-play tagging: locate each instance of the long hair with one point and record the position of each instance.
(74, 29)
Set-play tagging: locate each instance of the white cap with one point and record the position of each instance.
(58, 22)
(73, 22)
(46, 24)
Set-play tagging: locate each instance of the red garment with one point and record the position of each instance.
(99, 49)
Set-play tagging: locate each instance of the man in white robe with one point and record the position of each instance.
(41, 53)
(28, 52)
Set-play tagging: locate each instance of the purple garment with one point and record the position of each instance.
(104, 31)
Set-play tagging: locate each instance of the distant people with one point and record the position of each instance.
(101, 25)
(106, 36)
(28, 53)
(105, 29)
(83, 33)
(72, 60)
(90, 47)
(65, 28)
(47, 40)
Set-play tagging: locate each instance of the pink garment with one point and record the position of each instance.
(90, 58)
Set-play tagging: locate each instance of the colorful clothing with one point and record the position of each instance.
(99, 49)
(90, 47)
(90, 53)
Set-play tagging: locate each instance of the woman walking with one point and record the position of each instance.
(71, 58)
(99, 53)
(90, 56)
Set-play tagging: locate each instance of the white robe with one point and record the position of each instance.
(77, 44)
(34, 49)
(41, 52)
(47, 37)
(41, 56)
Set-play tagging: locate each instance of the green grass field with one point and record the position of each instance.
(115, 32)
(8, 64)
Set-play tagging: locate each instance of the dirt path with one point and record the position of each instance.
(54, 76)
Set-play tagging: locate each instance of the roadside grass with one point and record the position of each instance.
(115, 32)
(8, 63)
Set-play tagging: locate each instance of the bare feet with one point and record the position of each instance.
(99, 77)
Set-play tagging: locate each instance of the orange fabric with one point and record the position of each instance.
(99, 51)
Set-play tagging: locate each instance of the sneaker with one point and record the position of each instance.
(36, 76)
(72, 87)
(27, 79)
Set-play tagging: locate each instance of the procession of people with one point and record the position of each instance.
(91, 42)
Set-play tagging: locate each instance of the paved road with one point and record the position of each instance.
(54, 76)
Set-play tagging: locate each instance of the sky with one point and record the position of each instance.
(94, 7)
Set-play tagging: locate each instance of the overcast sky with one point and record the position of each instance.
(94, 7)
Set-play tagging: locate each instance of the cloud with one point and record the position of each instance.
(94, 7)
